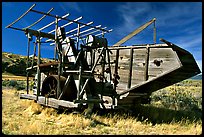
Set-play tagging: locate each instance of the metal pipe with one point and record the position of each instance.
(39, 19)
(52, 22)
(21, 16)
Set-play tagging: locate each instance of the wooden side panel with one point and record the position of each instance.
(161, 60)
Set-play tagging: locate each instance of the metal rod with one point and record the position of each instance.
(83, 31)
(65, 87)
(79, 86)
(78, 33)
(89, 33)
(16, 28)
(71, 22)
(103, 33)
(130, 68)
(52, 22)
(97, 60)
(86, 35)
(95, 35)
(82, 90)
(39, 19)
(67, 24)
(21, 16)
(63, 26)
(80, 27)
(67, 19)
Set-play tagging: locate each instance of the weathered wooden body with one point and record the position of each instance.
(95, 74)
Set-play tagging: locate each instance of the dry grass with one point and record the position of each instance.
(13, 77)
(25, 117)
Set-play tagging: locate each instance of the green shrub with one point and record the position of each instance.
(5, 83)
(19, 85)
(13, 83)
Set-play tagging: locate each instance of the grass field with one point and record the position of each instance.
(14, 77)
(25, 117)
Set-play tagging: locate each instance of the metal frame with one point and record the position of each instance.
(53, 37)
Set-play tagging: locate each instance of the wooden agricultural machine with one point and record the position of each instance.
(87, 73)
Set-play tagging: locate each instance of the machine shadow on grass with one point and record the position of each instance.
(142, 113)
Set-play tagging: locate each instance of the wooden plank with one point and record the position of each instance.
(27, 96)
(51, 102)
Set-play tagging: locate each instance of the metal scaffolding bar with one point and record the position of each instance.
(52, 22)
(63, 26)
(84, 31)
(67, 19)
(80, 27)
(39, 19)
(21, 16)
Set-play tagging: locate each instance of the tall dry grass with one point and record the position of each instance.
(25, 117)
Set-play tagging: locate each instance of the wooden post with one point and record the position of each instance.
(154, 32)
(130, 68)
(116, 66)
(59, 59)
(109, 63)
(27, 73)
(146, 63)
(38, 70)
(103, 63)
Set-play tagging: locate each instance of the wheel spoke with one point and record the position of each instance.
(53, 82)
(50, 87)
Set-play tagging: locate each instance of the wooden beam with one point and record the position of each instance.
(130, 68)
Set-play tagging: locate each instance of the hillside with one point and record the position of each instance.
(14, 64)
